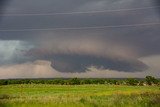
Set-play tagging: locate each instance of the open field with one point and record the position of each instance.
(40, 95)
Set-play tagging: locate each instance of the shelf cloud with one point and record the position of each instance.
(26, 38)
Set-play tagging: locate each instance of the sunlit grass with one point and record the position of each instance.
(40, 95)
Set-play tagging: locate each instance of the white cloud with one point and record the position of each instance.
(11, 50)
(37, 69)
(8, 48)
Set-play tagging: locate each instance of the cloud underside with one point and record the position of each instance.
(80, 63)
(110, 51)
(76, 56)
(43, 69)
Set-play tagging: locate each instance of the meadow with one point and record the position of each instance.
(89, 95)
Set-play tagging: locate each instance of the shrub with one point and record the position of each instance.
(131, 81)
(151, 80)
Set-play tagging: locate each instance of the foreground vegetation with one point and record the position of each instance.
(80, 92)
(46, 95)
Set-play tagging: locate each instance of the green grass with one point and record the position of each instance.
(41, 95)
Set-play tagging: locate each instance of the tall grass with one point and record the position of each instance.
(41, 95)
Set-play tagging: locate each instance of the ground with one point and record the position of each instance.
(44, 95)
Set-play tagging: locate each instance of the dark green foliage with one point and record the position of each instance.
(98, 81)
(4, 82)
(149, 80)
(141, 83)
(86, 81)
(132, 81)
(74, 81)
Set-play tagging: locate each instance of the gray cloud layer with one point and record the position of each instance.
(76, 50)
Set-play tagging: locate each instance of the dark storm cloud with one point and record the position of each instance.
(72, 53)
(79, 20)
(157, 2)
(80, 63)
(2, 6)
(76, 50)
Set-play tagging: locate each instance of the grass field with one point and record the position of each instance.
(41, 95)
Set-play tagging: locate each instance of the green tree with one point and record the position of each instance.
(141, 83)
(75, 81)
(131, 81)
(151, 80)
(86, 81)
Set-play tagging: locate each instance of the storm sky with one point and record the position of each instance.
(79, 38)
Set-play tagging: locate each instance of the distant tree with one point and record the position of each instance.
(86, 81)
(115, 82)
(58, 81)
(151, 80)
(141, 83)
(74, 81)
(4, 82)
(98, 81)
(131, 81)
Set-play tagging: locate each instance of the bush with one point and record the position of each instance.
(151, 80)
(132, 81)
(74, 81)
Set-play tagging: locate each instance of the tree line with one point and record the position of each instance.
(149, 80)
